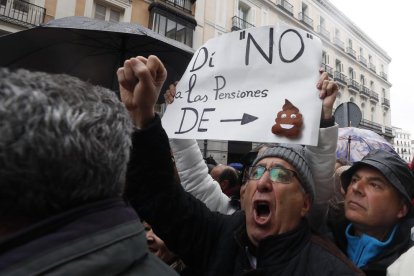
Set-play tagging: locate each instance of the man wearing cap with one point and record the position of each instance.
(272, 236)
(377, 222)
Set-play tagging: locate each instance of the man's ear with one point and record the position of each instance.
(403, 210)
(307, 203)
(224, 184)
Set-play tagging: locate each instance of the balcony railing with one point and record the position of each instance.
(21, 13)
(367, 124)
(365, 91)
(328, 69)
(306, 19)
(388, 131)
(353, 85)
(351, 52)
(384, 76)
(340, 78)
(372, 67)
(362, 60)
(184, 5)
(285, 5)
(385, 102)
(374, 96)
(338, 42)
(324, 32)
(240, 24)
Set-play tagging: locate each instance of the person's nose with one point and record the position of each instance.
(358, 187)
(265, 184)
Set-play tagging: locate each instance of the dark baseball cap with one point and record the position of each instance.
(393, 167)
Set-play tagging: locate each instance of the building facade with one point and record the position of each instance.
(402, 143)
(350, 57)
(171, 18)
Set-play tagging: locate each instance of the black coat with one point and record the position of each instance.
(402, 241)
(102, 238)
(210, 242)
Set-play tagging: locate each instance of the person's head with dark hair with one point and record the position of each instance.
(229, 181)
(63, 143)
(210, 160)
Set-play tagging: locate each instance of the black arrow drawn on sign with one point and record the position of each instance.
(247, 118)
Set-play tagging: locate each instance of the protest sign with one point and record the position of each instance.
(257, 84)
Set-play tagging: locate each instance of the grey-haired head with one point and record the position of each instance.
(63, 143)
(293, 155)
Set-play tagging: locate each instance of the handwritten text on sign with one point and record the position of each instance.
(236, 84)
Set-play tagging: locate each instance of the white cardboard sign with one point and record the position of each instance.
(251, 85)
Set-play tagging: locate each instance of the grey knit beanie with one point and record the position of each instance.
(294, 155)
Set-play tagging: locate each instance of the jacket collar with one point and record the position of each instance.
(64, 228)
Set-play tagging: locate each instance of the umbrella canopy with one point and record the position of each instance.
(90, 49)
(355, 143)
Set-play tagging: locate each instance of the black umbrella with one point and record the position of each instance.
(90, 49)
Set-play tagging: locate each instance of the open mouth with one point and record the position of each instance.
(261, 212)
(286, 126)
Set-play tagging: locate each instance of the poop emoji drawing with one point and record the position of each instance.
(288, 121)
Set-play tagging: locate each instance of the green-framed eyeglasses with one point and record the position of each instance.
(276, 173)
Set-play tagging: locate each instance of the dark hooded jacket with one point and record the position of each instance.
(103, 238)
(210, 242)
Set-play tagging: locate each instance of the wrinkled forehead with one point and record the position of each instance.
(372, 173)
(274, 161)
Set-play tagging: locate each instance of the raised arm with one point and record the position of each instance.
(322, 157)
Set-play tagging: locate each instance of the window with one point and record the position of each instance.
(351, 73)
(20, 5)
(338, 65)
(305, 10)
(350, 43)
(362, 80)
(107, 13)
(244, 11)
(3, 2)
(372, 114)
(361, 51)
(322, 22)
(325, 58)
(172, 27)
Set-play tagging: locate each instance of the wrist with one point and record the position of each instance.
(142, 118)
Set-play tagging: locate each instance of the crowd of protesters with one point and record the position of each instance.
(90, 185)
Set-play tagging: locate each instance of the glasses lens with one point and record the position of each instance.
(279, 174)
(257, 172)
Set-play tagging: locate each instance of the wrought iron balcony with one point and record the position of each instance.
(328, 69)
(372, 67)
(364, 91)
(340, 78)
(362, 60)
(374, 96)
(351, 52)
(240, 24)
(22, 13)
(385, 103)
(353, 86)
(338, 42)
(388, 131)
(306, 19)
(324, 32)
(367, 124)
(184, 5)
(285, 5)
(384, 76)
